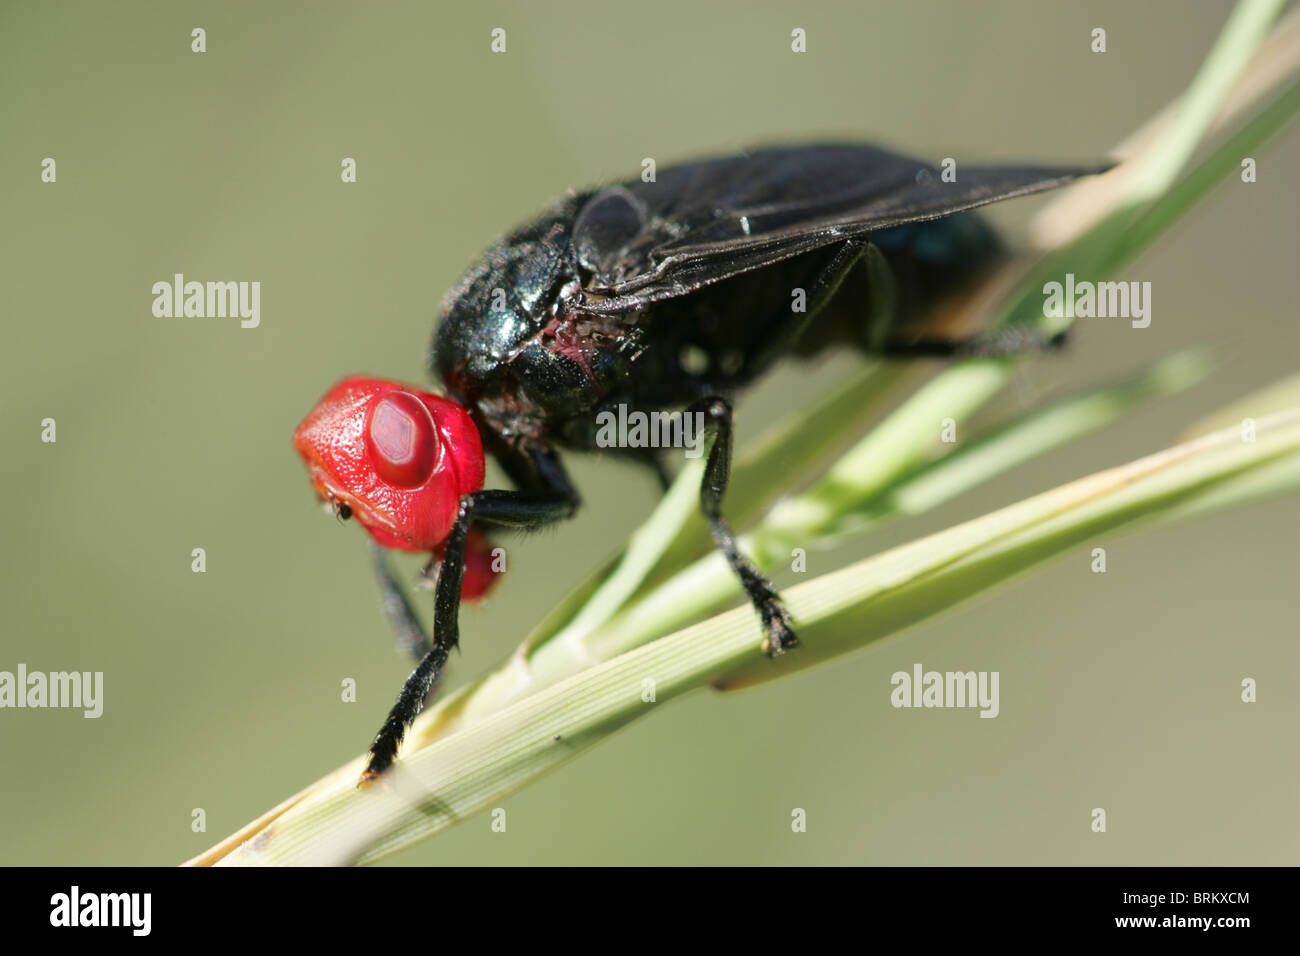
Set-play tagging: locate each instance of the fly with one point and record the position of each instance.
(646, 297)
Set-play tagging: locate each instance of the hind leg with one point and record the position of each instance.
(1000, 343)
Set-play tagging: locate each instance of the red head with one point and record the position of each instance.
(399, 459)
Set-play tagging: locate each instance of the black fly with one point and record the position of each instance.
(648, 297)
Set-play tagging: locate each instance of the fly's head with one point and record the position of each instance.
(395, 458)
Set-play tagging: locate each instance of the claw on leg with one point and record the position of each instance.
(778, 628)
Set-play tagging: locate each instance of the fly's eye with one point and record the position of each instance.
(401, 439)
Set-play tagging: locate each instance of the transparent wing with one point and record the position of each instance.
(703, 222)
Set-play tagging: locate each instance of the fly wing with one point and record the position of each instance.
(703, 222)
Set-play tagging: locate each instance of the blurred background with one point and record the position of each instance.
(222, 689)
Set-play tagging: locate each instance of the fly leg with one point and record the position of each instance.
(776, 619)
(882, 308)
(1000, 343)
(403, 620)
(882, 295)
(882, 311)
(552, 499)
(397, 608)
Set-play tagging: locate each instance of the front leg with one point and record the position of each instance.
(517, 509)
(397, 608)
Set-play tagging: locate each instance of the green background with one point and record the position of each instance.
(222, 689)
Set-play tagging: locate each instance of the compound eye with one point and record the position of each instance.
(401, 439)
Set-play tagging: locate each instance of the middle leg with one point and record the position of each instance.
(777, 627)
